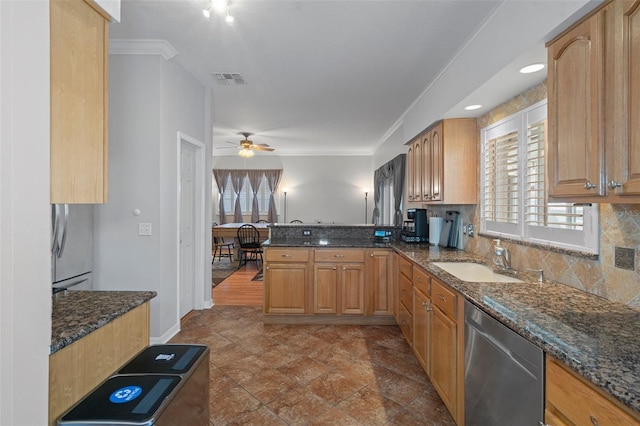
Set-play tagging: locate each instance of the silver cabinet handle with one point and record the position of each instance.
(427, 306)
(334, 268)
(371, 254)
(287, 255)
(589, 185)
(267, 267)
(339, 255)
(441, 297)
(594, 421)
(344, 268)
(613, 184)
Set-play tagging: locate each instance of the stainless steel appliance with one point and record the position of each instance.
(72, 246)
(416, 227)
(503, 374)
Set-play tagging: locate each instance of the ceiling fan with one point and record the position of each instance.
(247, 147)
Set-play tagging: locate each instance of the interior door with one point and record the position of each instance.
(187, 228)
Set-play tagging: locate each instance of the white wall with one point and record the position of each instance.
(328, 189)
(150, 100)
(25, 218)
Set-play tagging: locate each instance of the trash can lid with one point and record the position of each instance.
(125, 400)
(164, 359)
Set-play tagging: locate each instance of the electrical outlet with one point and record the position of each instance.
(306, 232)
(144, 229)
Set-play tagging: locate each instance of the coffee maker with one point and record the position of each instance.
(416, 227)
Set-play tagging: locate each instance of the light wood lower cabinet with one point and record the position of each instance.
(380, 282)
(338, 282)
(78, 368)
(338, 285)
(572, 400)
(422, 328)
(286, 281)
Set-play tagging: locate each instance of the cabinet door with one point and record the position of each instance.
(444, 358)
(380, 282)
(325, 288)
(427, 184)
(418, 170)
(436, 163)
(410, 174)
(78, 103)
(625, 177)
(285, 288)
(575, 90)
(421, 328)
(352, 289)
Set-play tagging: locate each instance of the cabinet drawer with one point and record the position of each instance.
(339, 255)
(421, 281)
(405, 292)
(443, 297)
(579, 401)
(405, 267)
(286, 255)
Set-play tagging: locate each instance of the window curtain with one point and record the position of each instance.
(237, 180)
(396, 169)
(273, 180)
(255, 176)
(221, 177)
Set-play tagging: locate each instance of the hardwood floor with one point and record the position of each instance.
(238, 289)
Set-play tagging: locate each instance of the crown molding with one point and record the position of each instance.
(142, 47)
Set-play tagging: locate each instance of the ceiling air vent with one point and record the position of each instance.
(229, 79)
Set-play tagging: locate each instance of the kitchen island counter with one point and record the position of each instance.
(597, 338)
(77, 313)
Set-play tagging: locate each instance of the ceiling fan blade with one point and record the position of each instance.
(232, 143)
(262, 147)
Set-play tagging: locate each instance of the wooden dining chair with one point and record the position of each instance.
(250, 246)
(222, 248)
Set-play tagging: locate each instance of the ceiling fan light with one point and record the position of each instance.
(219, 6)
(246, 153)
(229, 19)
(206, 13)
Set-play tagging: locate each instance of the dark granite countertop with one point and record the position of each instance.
(328, 243)
(77, 313)
(595, 337)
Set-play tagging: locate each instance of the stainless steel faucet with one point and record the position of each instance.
(501, 255)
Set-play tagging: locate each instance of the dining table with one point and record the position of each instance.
(230, 231)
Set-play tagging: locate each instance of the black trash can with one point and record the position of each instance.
(162, 385)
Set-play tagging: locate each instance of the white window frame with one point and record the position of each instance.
(387, 202)
(585, 240)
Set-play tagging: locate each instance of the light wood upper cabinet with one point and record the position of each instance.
(593, 149)
(415, 162)
(79, 37)
(575, 91)
(444, 167)
(623, 27)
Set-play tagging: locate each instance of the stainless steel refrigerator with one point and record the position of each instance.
(71, 246)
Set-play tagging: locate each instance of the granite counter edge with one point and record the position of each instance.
(77, 327)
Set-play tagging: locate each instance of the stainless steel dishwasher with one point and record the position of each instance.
(503, 373)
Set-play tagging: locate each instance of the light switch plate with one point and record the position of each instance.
(306, 232)
(144, 229)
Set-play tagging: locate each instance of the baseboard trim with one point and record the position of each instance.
(329, 319)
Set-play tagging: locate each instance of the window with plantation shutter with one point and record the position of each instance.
(514, 198)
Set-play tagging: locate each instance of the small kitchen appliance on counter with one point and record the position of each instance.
(416, 227)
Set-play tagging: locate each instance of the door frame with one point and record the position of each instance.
(198, 222)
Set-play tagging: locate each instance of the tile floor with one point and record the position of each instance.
(310, 374)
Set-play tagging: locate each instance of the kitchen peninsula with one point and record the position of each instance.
(93, 333)
(591, 344)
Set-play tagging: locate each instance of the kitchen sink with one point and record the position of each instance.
(474, 272)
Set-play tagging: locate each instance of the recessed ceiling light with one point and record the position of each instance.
(472, 107)
(531, 68)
